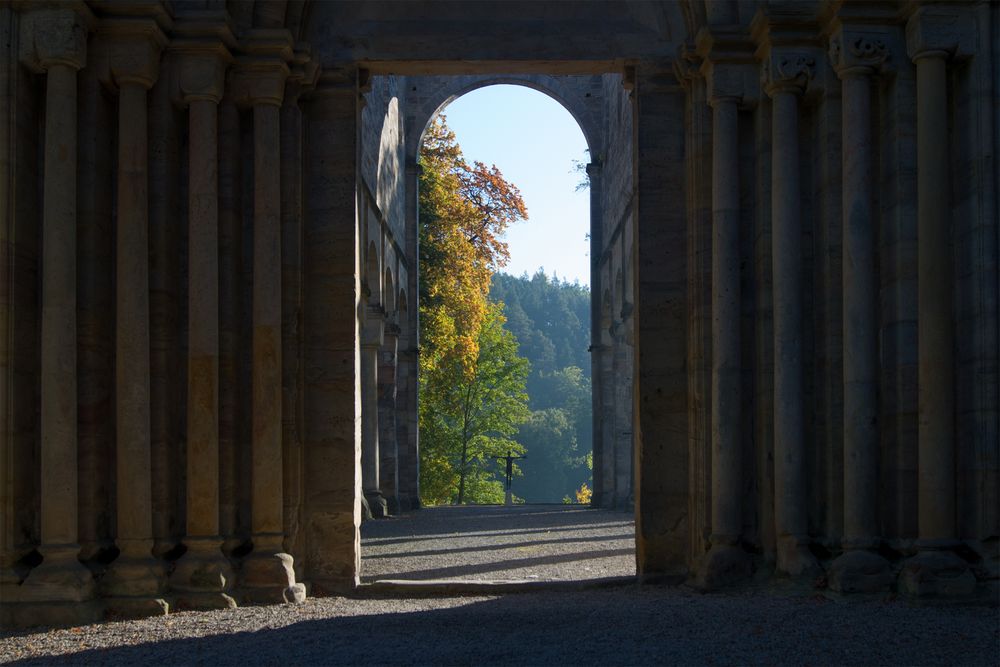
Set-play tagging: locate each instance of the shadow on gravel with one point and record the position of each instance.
(424, 533)
(634, 626)
(542, 542)
(514, 545)
(505, 564)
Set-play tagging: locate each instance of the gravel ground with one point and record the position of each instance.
(623, 626)
(543, 542)
(626, 625)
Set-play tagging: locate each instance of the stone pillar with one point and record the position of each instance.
(267, 574)
(859, 570)
(55, 42)
(371, 342)
(725, 561)
(8, 552)
(203, 576)
(607, 417)
(135, 582)
(408, 440)
(95, 293)
(388, 447)
(622, 364)
(332, 293)
(598, 447)
(233, 342)
(786, 75)
(302, 77)
(933, 34)
(166, 382)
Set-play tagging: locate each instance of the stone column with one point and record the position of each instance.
(598, 446)
(388, 447)
(331, 293)
(607, 415)
(371, 342)
(786, 75)
(95, 294)
(302, 77)
(408, 357)
(203, 576)
(135, 581)
(267, 574)
(8, 553)
(55, 42)
(725, 562)
(166, 382)
(233, 431)
(933, 35)
(859, 569)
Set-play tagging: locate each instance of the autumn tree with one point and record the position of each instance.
(464, 211)
(468, 420)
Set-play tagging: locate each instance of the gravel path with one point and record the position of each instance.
(623, 626)
(543, 542)
(626, 625)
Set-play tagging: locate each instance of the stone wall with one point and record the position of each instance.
(794, 259)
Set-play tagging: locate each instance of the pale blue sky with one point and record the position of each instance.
(533, 140)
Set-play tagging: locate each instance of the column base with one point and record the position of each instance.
(937, 574)
(59, 578)
(376, 504)
(795, 560)
(268, 577)
(859, 572)
(723, 565)
(135, 587)
(203, 576)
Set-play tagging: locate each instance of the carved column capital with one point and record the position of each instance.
(260, 72)
(787, 70)
(728, 65)
(258, 81)
(203, 49)
(945, 30)
(303, 73)
(861, 51)
(129, 51)
(687, 65)
(55, 35)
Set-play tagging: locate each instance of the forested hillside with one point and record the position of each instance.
(551, 321)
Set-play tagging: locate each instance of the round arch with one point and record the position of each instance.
(580, 95)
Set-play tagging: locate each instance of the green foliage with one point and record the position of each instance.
(472, 380)
(467, 421)
(550, 319)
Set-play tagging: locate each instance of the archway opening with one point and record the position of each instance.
(519, 139)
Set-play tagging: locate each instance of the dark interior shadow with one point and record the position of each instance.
(631, 626)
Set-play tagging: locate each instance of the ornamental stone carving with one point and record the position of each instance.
(55, 37)
(687, 64)
(851, 50)
(787, 71)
